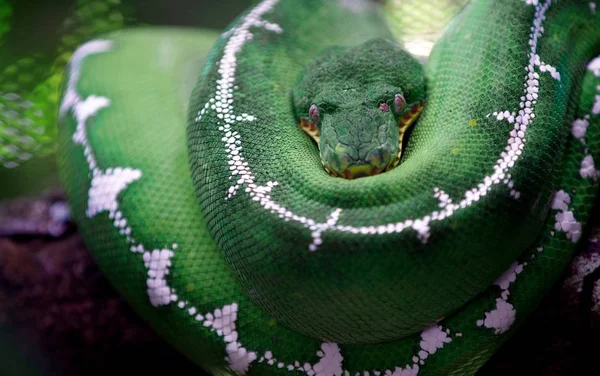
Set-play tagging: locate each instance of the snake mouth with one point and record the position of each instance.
(410, 116)
(360, 171)
(404, 123)
(355, 171)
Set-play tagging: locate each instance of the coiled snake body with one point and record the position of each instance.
(244, 253)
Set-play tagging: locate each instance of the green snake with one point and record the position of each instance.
(205, 202)
(357, 118)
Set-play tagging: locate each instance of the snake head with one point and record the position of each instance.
(356, 104)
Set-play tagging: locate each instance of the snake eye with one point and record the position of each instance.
(313, 114)
(399, 104)
(384, 107)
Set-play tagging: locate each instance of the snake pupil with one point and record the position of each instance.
(399, 104)
(313, 114)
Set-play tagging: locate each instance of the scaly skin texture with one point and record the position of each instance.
(377, 259)
(361, 96)
(247, 256)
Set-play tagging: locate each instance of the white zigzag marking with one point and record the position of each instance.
(107, 185)
(579, 129)
(241, 171)
(503, 316)
(565, 219)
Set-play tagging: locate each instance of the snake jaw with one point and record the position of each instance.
(364, 170)
(404, 123)
(330, 171)
(355, 171)
(351, 174)
(360, 170)
(311, 129)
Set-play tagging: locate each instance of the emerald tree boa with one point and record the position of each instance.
(208, 207)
